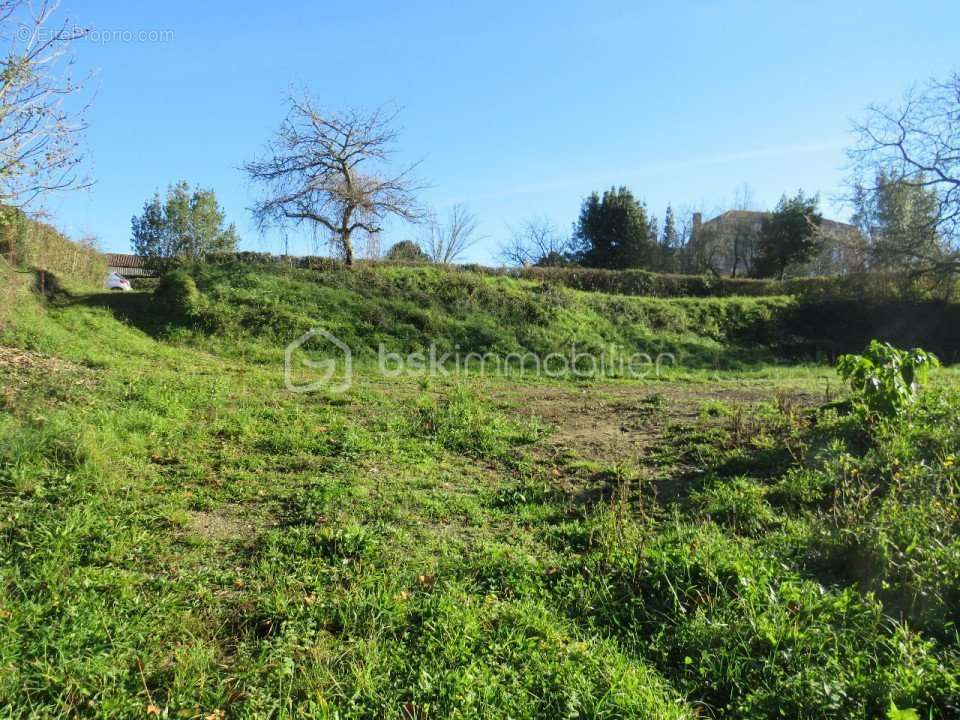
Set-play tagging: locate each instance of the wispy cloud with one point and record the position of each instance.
(623, 174)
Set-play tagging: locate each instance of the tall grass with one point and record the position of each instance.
(8, 292)
(26, 242)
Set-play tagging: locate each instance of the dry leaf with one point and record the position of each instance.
(310, 599)
(153, 710)
(427, 580)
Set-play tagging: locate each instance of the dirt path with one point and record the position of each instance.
(605, 435)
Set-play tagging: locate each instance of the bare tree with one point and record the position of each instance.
(38, 133)
(743, 235)
(372, 247)
(445, 240)
(537, 242)
(685, 251)
(917, 145)
(706, 249)
(326, 170)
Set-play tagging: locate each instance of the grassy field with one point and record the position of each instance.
(180, 536)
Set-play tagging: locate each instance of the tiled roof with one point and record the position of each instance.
(123, 260)
(130, 265)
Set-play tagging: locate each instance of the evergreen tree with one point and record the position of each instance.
(669, 242)
(187, 223)
(150, 238)
(653, 233)
(407, 251)
(613, 231)
(669, 237)
(788, 236)
(899, 221)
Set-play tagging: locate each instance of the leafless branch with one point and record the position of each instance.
(38, 133)
(536, 242)
(445, 240)
(327, 171)
(916, 144)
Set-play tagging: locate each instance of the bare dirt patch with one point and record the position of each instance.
(30, 380)
(604, 436)
(613, 423)
(30, 360)
(219, 525)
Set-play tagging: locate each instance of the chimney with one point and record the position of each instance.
(697, 222)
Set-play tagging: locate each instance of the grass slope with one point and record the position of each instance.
(408, 308)
(181, 536)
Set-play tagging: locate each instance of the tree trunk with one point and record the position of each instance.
(345, 230)
(347, 247)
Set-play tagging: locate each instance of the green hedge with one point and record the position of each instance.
(640, 282)
(875, 286)
(177, 292)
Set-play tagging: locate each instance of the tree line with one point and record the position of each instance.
(615, 230)
(330, 173)
(904, 189)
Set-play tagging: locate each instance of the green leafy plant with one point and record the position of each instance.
(177, 292)
(895, 713)
(886, 379)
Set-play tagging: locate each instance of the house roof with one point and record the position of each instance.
(130, 265)
(124, 260)
(756, 216)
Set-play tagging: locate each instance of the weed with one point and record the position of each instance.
(884, 378)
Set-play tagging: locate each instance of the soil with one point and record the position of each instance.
(221, 524)
(602, 439)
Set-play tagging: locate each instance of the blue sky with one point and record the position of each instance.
(516, 109)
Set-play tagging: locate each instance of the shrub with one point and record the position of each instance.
(884, 379)
(739, 504)
(178, 294)
(8, 292)
(407, 250)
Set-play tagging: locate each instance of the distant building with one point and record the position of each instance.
(130, 266)
(728, 244)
